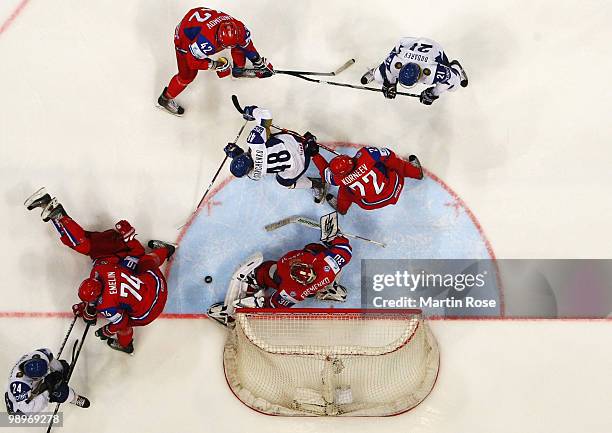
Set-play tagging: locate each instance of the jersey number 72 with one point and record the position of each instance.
(378, 187)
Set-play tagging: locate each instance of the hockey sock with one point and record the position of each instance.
(175, 87)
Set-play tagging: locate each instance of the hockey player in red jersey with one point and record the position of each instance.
(200, 34)
(372, 179)
(125, 285)
(300, 274)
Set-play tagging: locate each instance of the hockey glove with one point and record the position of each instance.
(232, 151)
(247, 114)
(264, 68)
(103, 333)
(311, 147)
(126, 230)
(389, 90)
(222, 67)
(60, 394)
(427, 97)
(53, 380)
(65, 368)
(86, 311)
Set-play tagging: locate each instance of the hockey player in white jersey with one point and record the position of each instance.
(37, 380)
(284, 155)
(418, 61)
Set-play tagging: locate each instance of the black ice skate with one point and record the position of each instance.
(368, 77)
(114, 344)
(40, 198)
(54, 210)
(155, 244)
(332, 200)
(464, 78)
(414, 161)
(169, 105)
(333, 293)
(319, 189)
(81, 401)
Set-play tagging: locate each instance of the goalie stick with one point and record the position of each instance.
(241, 111)
(352, 86)
(307, 222)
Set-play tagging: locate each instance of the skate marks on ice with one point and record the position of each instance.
(429, 222)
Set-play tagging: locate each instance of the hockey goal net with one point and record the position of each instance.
(334, 362)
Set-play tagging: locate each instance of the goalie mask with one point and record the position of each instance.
(302, 273)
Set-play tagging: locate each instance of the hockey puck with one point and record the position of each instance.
(208, 279)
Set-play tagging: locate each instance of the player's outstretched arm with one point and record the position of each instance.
(345, 200)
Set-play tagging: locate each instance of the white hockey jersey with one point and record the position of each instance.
(20, 386)
(429, 55)
(278, 154)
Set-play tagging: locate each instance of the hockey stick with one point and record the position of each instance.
(241, 111)
(307, 222)
(352, 86)
(61, 349)
(341, 69)
(215, 176)
(43, 388)
(75, 357)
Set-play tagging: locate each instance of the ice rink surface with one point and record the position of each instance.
(526, 146)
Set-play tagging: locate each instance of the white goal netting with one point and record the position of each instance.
(309, 362)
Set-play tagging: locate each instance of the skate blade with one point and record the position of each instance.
(38, 194)
(165, 110)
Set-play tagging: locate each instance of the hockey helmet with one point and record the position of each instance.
(341, 165)
(36, 367)
(229, 34)
(302, 273)
(410, 74)
(90, 290)
(241, 165)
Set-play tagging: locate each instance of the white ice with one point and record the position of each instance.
(527, 146)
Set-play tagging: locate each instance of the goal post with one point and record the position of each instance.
(330, 362)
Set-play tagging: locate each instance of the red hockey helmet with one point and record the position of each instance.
(302, 273)
(341, 165)
(229, 34)
(90, 290)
